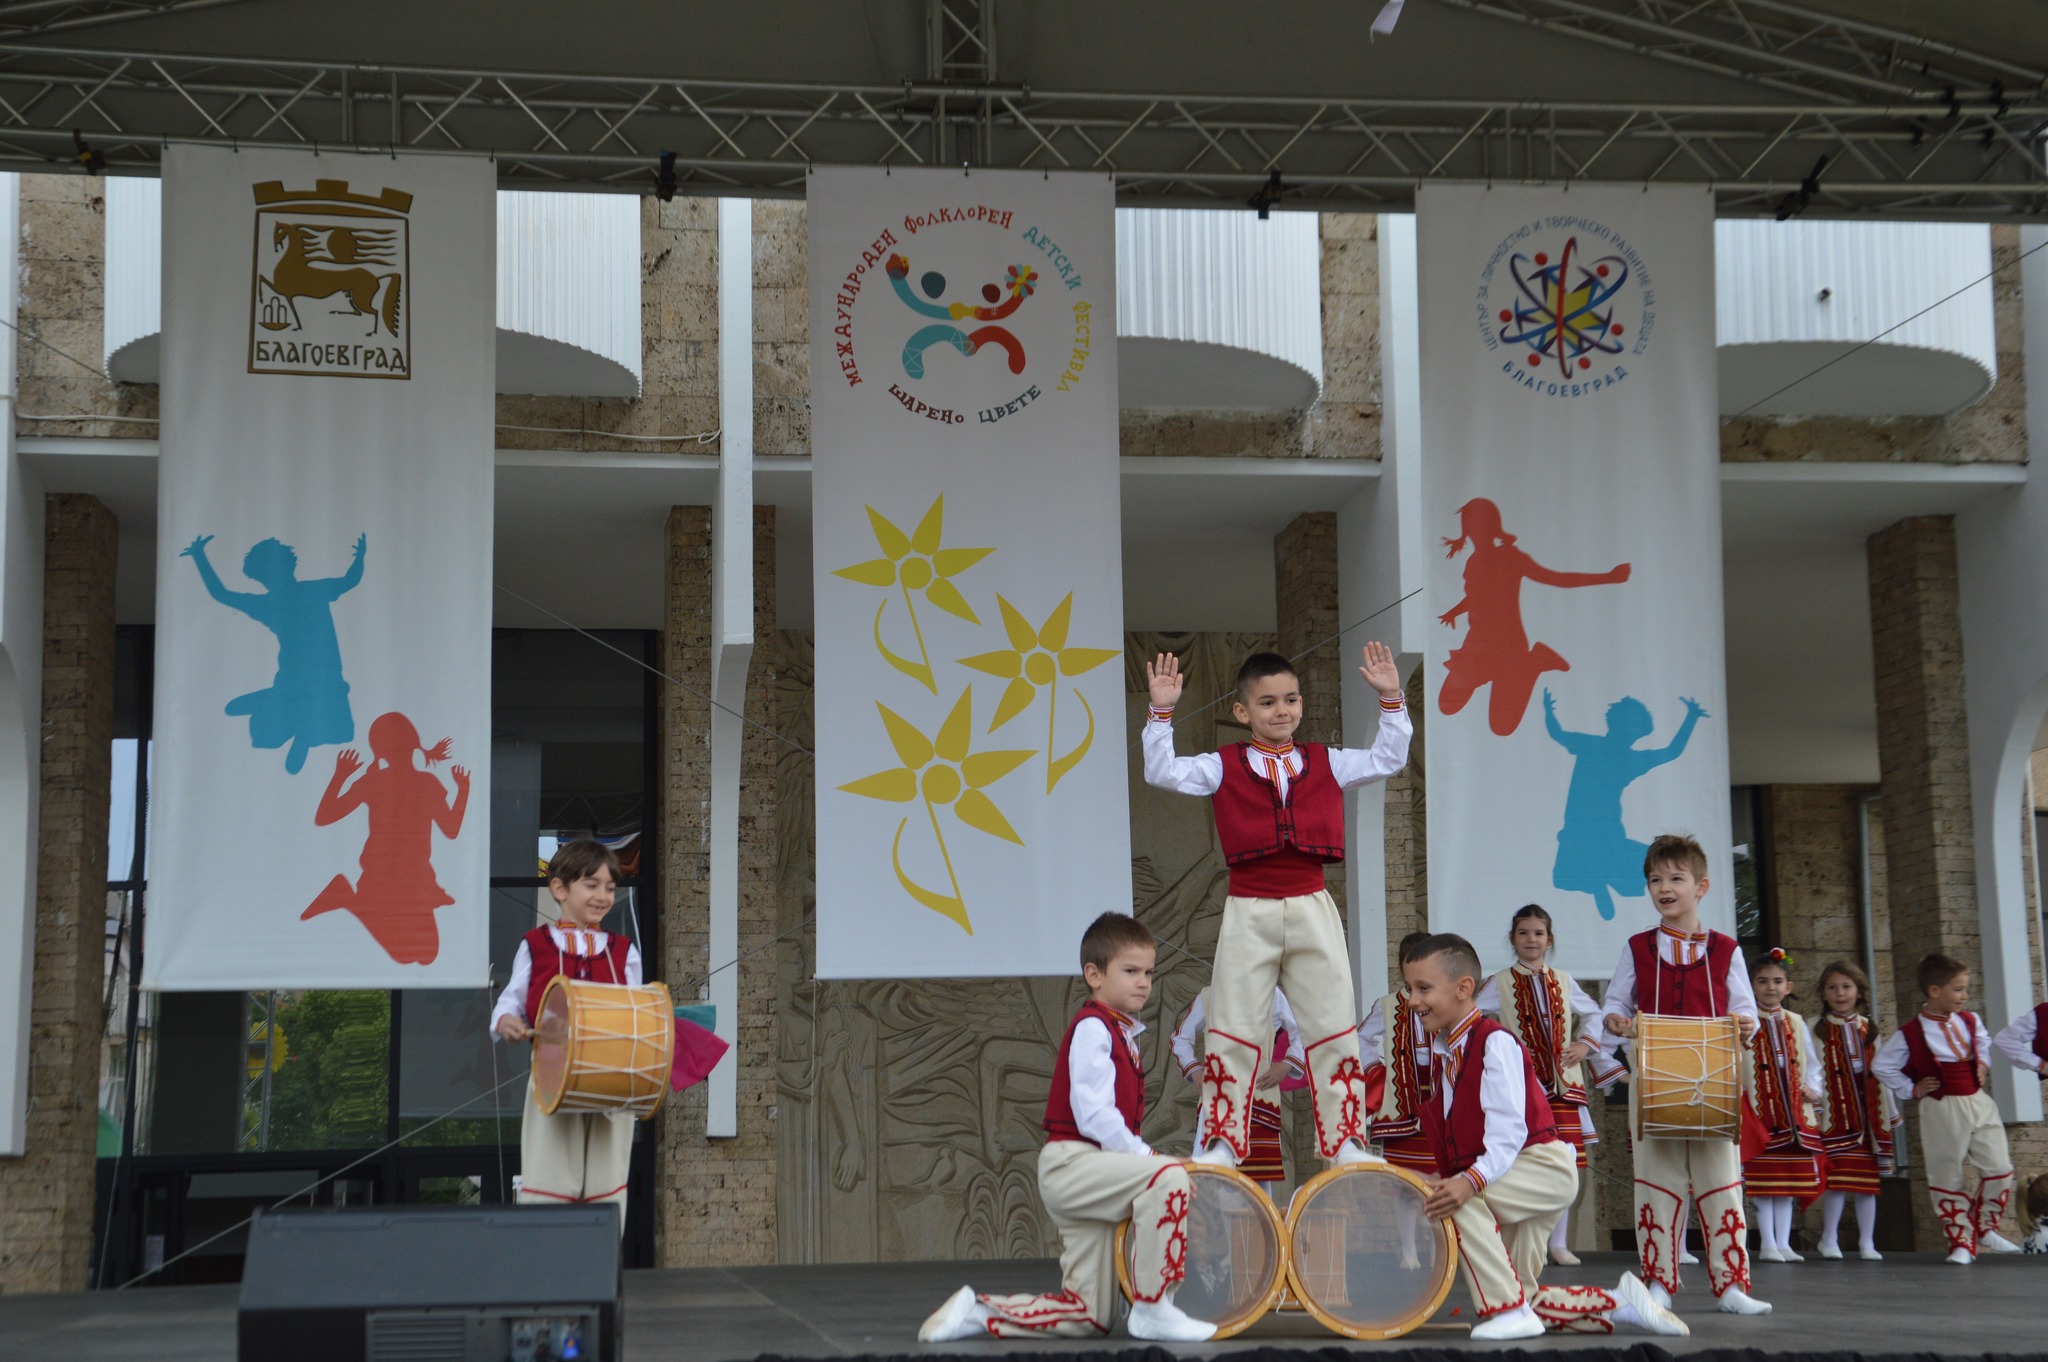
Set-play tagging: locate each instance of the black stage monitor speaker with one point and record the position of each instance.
(431, 1284)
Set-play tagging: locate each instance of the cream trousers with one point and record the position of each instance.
(1296, 944)
(1955, 1131)
(1711, 1172)
(573, 1157)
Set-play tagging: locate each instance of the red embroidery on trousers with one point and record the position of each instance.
(1650, 1236)
(1222, 1122)
(1954, 1211)
(1349, 1079)
(1734, 1256)
(1575, 1309)
(1990, 1209)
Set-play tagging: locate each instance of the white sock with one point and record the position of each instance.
(1831, 1204)
(1560, 1233)
(1774, 1225)
(1866, 1220)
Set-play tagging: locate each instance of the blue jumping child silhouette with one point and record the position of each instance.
(1595, 854)
(306, 705)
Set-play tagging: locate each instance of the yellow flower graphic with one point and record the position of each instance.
(916, 562)
(941, 770)
(1039, 657)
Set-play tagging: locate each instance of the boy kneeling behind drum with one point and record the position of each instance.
(572, 1157)
(1503, 1174)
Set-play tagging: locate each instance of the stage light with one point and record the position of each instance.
(1268, 195)
(93, 161)
(665, 178)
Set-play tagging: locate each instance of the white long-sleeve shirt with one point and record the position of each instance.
(1203, 774)
(569, 941)
(1503, 1095)
(2016, 1042)
(1811, 1081)
(1674, 948)
(1948, 1040)
(1190, 1030)
(1091, 1084)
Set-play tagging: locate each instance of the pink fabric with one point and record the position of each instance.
(697, 1054)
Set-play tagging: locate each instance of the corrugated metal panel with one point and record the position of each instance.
(569, 272)
(1213, 278)
(135, 273)
(1774, 325)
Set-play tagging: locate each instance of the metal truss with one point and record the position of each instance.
(30, 18)
(1967, 152)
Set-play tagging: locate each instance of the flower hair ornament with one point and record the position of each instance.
(1778, 955)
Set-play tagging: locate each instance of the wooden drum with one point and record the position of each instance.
(1362, 1257)
(1237, 1252)
(1686, 1087)
(603, 1047)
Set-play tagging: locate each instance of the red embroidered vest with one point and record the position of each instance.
(1696, 990)
(1277, 848)
(549, 960)
(1855, 1101)
(1957, 1079)
(1130, 1079)
(1460, 1139)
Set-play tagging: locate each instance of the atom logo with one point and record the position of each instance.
(1565, 313)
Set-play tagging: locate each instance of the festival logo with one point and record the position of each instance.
(1566, 304)
(331, 282)
(983, 316)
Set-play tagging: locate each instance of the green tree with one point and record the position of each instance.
(333, 1091)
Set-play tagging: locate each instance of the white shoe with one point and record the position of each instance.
(1736, 1301)
(1162, 1321)
(1826, 1250)
(1352, 1152)
(1994, 1242)
(962, 1316)
(1521, 1322)
(1962, 1257)
(1564, 1257)
(1217, 1155)
(1769, 1254)
(1791, 1256)
(1870, 1255)
(1685, 1258)
(1658, 1294)
(1638, 1309)
(1409, 1262)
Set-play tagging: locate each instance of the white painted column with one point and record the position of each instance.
(2002, 582)
(732, 635)
(1379, 560)
(21, 704)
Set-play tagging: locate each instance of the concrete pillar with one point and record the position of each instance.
(1923, 746)
(46, 1195)
(716, 1203)
(1305, 590)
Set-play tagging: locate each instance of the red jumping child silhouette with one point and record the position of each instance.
(397, 894)
(1496, 650)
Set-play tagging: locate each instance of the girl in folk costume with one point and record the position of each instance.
(1860, 1114)
(1556, 1022)
(1398, 1084)
(1266, 1164)
(1780, 1082)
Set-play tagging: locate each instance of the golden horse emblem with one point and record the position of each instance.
(330, 292)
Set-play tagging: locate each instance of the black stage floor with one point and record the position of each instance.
(1908, 1304)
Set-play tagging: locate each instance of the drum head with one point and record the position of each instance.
(551, 1047)
(1362, 1257)
(1237, 1257)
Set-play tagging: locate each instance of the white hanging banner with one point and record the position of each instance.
(973, 806)
(319, 808)
(1571, 455)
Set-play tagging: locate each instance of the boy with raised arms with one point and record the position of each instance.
(1279, 808)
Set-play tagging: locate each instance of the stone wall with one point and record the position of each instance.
(46, 1196)
(62, 308)
(716, 1199)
